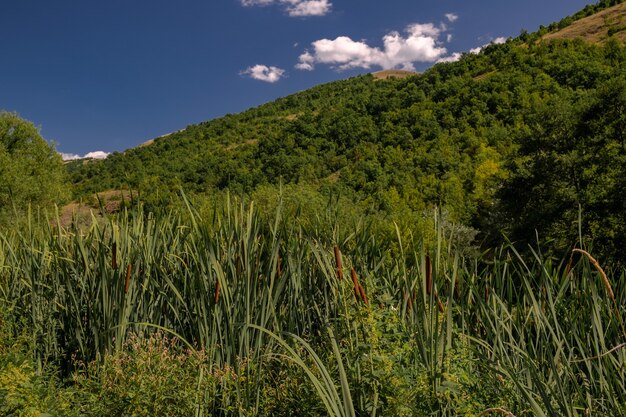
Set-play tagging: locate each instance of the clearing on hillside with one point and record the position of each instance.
(385, 74)
(596, 28)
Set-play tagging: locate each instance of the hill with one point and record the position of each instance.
(597, 28)
(385, 74)
(505, 141)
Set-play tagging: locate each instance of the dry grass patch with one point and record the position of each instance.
(596, 28)
(386, 74)
(106, 202)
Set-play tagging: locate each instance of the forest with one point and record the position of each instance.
(444, 244)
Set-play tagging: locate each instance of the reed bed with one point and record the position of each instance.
(245, 290)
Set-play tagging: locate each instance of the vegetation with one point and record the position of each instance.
(515, 139)
(237, 316)
(31, 171)
(366, 247)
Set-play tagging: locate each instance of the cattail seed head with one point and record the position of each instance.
(338, 263)
(114, 255)
(363, 295)
(429, 275)
(217, 291)
(355, 282)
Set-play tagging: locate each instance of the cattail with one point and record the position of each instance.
(439, 303)
(607, 285)
(605, 279)
(355, 281)
(429, 275)
(338, 263)
(114, 255)
(363, 295)
(128, 270)
(217, 291)
(278, 271)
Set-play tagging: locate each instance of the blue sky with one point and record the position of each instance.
(109, 75)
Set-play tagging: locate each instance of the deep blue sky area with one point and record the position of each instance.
(109, 75)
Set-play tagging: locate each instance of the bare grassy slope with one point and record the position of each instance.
(596, 28)
(383, 75)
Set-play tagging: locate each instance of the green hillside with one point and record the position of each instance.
(513, 139)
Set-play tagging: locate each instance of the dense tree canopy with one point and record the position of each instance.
(31, 171)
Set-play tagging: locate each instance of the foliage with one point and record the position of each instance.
(154, 376)
(23, 390)
(406, 330)
(31, 171)
(325, 260)
(504, 140)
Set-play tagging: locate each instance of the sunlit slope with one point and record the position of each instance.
(596, 28)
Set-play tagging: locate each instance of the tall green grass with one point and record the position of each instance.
(542, 337)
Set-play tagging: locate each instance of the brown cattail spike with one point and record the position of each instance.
(338, 263)
(439, 303)
(355, 281)
(217, 291)
(278, 271)
(127, 283)
(363, 295)
(429, 276)
(114, 255)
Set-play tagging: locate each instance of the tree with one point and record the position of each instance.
(31, 171)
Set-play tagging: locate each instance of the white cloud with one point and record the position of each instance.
(457, 55)
(69, 156)
(452, 17)
(495, 41)
(302, 8)
(256, 2)
(449, 37)
(264, 73)
(97, 155)
(307, 62)
(421, 44)
(296, 8)
(451, 58)
(90, 155)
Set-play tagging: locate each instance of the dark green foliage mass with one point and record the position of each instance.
(31, 171)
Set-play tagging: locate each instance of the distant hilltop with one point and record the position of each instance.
(385, 74)
(151, 141)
